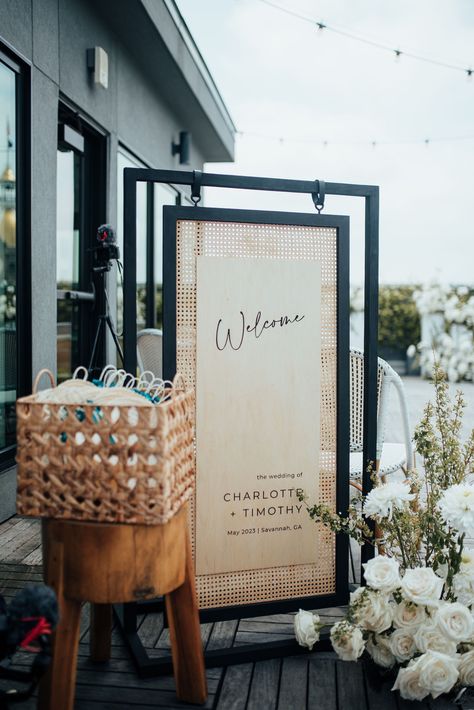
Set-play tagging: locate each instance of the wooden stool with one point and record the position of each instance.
(106, 564)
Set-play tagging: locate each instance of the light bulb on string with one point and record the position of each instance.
(320, 33)
(427, 142)
(469, 74)
(398, 53)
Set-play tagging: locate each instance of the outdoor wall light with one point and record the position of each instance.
(98, 65)
(183, 148)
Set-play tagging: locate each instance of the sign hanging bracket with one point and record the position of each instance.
(196, 187)
(319, 194)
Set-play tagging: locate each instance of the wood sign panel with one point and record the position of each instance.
(258, 408)
(256, 318)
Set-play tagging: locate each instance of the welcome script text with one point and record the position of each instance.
(235, 340)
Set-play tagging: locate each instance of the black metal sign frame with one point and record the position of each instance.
(128, 613)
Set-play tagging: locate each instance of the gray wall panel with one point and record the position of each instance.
(146, 124)
(79, 31)
(44, 103)
(46, 37)
(15, 25)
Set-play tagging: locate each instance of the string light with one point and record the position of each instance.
(373, 143)
(365, 40)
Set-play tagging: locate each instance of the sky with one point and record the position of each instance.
(281, 77)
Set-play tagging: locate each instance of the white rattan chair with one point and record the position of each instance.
(150, 351)
(391, 457)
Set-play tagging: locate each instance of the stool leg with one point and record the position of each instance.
(58, 685)
(100, 632)
(185, 634)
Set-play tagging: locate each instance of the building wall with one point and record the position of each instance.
(53, 35)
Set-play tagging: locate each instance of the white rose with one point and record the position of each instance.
(408, 683)
(463, 587)
(402, 645)
(372, 609)
(382, 500)
(347, 641)
(382, 573)
(455, 621)
(407, 615)
(379, 648)
(422, 586)
(466, 668)
(307, 627)
(429, 637)
(438, 672)
(457, 507)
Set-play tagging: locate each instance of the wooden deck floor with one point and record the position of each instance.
(316, 681)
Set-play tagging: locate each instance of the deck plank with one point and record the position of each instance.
(322, 692)
(264, 685)
(235, 687)
(350, 685)
(222, 635)
(293, 683)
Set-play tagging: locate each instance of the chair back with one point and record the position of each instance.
(150, 351)
(386, 378)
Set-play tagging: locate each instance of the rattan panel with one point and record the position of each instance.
(267, 241)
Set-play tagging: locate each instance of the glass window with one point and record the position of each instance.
(164, 195)
(8, 244)
(126, 161)
(150, 201)
(68, 231)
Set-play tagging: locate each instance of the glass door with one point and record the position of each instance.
(80, 211)
(8, 254)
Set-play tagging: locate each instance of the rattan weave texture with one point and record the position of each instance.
(267, 241)
(124, 464)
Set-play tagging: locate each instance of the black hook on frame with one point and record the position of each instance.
(196, 187)
(319, 194)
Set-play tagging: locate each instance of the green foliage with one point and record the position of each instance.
(416, 534)
(399, 320)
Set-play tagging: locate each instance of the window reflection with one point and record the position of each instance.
(149, 314)
(68, 233)
(8, 335)
(124, 161)
(164, 195)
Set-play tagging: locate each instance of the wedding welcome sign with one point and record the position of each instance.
(256, 318)
(258, 408)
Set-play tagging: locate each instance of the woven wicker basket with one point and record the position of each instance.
(123, 464)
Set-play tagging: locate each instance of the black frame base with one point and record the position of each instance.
(233, 655)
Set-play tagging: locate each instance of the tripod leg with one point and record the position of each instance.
(96, 341)
(114, 336)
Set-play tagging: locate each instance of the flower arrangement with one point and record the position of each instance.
(415, 614)
(448, 331)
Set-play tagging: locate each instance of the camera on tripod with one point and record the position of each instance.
(103, 256)
(107, 251)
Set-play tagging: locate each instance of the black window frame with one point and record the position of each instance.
(93, 212)
(150, 293)
(150, 236)
(22, 71)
